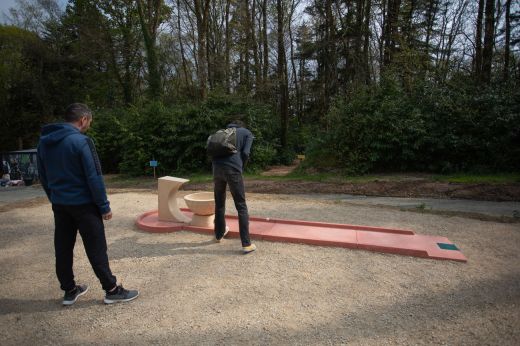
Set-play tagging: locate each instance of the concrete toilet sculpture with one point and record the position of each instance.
(202, 204)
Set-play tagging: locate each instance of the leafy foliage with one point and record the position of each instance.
(175, 136)
(439, 128)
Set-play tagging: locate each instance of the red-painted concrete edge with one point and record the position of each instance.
(172, 227)
(323, 224)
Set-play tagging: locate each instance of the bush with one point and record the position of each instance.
(439, 128)
(175, 136)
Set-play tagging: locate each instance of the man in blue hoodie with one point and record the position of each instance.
(227, 170)
(70, 174)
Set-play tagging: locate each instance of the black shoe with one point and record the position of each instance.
(73, 295)
(120, 295)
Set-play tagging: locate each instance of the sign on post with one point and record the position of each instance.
(153, 164)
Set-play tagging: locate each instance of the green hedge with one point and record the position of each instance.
(128, 138)
(438, 128)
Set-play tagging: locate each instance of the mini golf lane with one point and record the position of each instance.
(396, 241)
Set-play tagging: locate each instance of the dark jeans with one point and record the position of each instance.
(87, 218)
(223, 176)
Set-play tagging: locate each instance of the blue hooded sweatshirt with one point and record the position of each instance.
(244, 143)
(69, 167)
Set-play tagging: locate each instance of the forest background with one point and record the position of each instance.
(357, 86)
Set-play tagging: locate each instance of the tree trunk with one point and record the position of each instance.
(390, 31)
(149, 25)
(247, 44)
(430, 20)
(228, 49)
(508, 40)
(489, 40)
(293, 65)
(366, 44)
(282, 76)
(330, 62)
(201, 14)
(358, 67)
(477, 65)
(181, 45)
(264, 41)
(254, 45)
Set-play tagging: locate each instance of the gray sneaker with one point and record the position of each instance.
(73, 295)
(120, 295)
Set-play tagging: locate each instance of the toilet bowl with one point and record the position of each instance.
(202, 204)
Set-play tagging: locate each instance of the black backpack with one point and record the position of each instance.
(222, 143)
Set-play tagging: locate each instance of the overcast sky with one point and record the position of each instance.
(4, 7)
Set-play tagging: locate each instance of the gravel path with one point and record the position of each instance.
(196, 292)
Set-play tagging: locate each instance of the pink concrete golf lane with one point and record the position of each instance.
(395, 241)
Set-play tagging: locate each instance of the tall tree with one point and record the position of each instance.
(507, 48)
(391, 30)
(282, 74)
(265, 45)
(34, 15)
(201, 10)
(23, 97)
(228, 47)
(123, 43)
(489, 41)
(186, 74)
(151, 15)
(477, 64)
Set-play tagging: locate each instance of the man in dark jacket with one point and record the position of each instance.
(70, 174)
(227, 170)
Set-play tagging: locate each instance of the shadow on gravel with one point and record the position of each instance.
(132, 248)
(440, 315)
(9, 306)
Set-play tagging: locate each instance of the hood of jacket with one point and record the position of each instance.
(55, 133)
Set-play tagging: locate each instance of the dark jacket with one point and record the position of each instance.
(244, 143)
(69, 167)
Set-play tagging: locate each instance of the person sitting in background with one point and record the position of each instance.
(6, 173)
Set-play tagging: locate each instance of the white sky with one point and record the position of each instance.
(5, 5)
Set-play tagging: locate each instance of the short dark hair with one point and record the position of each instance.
(76, 111)
(238, 119)
(239, 123)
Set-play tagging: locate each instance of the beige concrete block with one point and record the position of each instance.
(167, 200)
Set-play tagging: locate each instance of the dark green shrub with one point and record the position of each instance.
(448, 127)
(175, 136)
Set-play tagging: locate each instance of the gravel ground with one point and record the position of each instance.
(196, 292)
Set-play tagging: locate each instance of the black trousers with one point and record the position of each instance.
(223, 176)
(68, 219)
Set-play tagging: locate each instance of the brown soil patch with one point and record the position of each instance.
(404, 188)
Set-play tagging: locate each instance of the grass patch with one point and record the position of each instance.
(123, 181)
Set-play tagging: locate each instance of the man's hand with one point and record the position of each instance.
(107, 216)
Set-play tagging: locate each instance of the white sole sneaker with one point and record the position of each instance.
(120, 300)
(248, 249)
(70, 302)
(225, 233)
